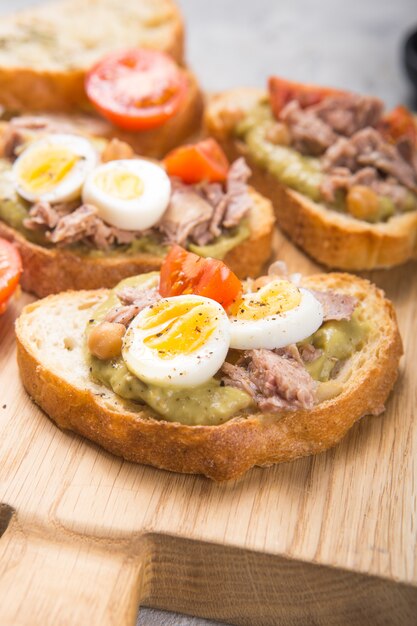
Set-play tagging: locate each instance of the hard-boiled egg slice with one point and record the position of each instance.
(54, 168)
(132, 194)
(178, 342)
(274, 317)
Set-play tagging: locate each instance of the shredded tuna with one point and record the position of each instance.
(43, 214)
(309, 353)
(139, 296)
(238, 199)
(342, 179)
(367, 148)
(315, 128)
(200, 213)
(336, 306)
(133, 300)
(186, 211)
(346, 114)
(57, 123)
(83, 224)
(274, 379)
(310, 134)
(215, 195)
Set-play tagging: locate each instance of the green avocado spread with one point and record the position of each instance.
(209, 404)
(212, 403)
(338, 341)
(14, 210)
(301, 173)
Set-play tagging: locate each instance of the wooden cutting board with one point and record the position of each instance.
(324, 540)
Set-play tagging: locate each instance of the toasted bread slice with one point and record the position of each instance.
(334, 239)
(50, 336)
(50, 270)
(46, 50)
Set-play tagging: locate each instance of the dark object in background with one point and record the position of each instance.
(410, 57)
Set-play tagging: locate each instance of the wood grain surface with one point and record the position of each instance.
(329, 539)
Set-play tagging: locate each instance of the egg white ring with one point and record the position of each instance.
(183, 371)
(70, 187)
(138, 213)
(278, 331)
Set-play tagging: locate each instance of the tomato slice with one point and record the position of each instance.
(184, 272)
(10, 270)
(282, 91)
(194, 163)
(137, 89)
(399, 123)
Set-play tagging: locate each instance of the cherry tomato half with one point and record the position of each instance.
(10, 270)
(184, 272)
(201, 161)
(137, 89)
(282, 91)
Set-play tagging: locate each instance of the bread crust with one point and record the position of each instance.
(51, 270)
(226, 451)
(331, 238)
(34, 87)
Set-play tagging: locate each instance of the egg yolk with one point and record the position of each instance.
(275, 298)
(179, 328)
(44, 170)
(119, 183)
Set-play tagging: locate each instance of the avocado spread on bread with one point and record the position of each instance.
(365, 192)
(210, 403)
(14, 210)
(216, 401)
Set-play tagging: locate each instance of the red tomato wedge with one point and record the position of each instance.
(194, 163)
(282, 91)
(10, 270)
(399, 123)
(184, 272)
(137, 89)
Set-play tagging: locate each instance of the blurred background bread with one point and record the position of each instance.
(46, 50)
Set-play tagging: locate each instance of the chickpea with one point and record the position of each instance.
(116, 149)
(105, 340)
(363, 203)
(279, 134)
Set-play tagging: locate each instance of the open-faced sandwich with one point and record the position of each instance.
(342, 174)
(120, 65)
(85, 212)
(194, 371)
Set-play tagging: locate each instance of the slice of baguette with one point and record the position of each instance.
(53, 370)
(331, 238)
(50, 270)
(46, 50)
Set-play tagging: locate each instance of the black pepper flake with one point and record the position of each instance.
(222, 383)
(4, 406)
